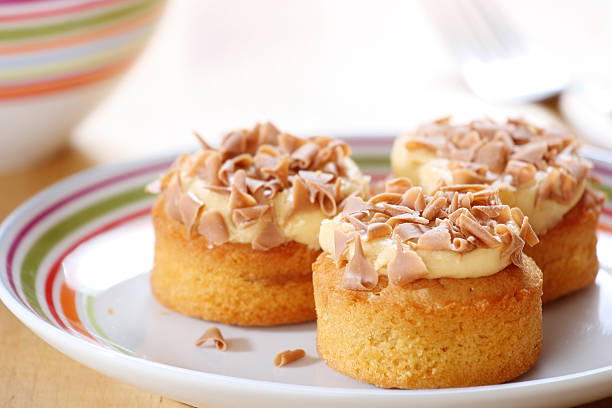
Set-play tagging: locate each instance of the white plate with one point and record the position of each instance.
(75, 270)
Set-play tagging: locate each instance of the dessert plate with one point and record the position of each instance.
(74, 267)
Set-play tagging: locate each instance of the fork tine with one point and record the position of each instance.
(447, 18)
(500, 26)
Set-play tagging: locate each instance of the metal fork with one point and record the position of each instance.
(496, 63)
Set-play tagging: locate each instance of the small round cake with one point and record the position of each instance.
(428, 291)
(236, 228)
(537, 170)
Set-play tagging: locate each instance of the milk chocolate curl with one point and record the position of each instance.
(233, 143)
(436, 239)
(493, 155)
(414, 199)
(359, 273)
(517, 215)
(212, 227)
(214, 334)
(406, 266)
(522, 173)
(288, 356)
(243, 217)
(354, 204)
(378, 230)
(387, 198)
(189, 206)
(408, 231)
(304, 155)
(289, 143)
(341, 241)
(270, 235)
(527, 233)
(514, 247)
(433, 208)
(407, 217)
(470, 227)
(398, 185)
(268, 134)
(239, 197)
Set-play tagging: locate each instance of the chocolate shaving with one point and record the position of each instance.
(247, 216)
(436, 239)
(214, 334)
(189, 207)
(288, 356)
(408, 231)
(406, 266)
(359, 273)
(212, 227)
(378, 230)
(470, 227)
(527, 233)
(398, 185)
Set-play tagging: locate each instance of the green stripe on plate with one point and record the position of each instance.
(91, 315)
(45, 243)
(87, 22)
(371, 160)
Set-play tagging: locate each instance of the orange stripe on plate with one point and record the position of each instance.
(62, 84)
(67, 300)
(117, 29)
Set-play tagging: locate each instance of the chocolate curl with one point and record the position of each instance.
(359, 274)
(268, 134)
(470, 227)
(414, 199)
(406, 266)
(304, 156)
(189, 206)
(398, 185)
(289, 143)
(214, 334)
(288, 356)
(212, 227)
(527, 233)
(244, 217)
(270, 236)
(408, 231)
(239, 197)
(436, 239)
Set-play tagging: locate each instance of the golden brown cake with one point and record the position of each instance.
(236, 228)
(416, 291)
(536, 169)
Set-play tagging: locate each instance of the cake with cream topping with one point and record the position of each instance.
(236, 227)
(537, 170)
(428, 291)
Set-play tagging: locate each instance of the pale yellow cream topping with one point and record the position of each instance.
(380, 252)
(302, 227)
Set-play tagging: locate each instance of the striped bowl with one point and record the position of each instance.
(58, 58)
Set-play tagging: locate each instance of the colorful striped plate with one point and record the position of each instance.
(74, 269)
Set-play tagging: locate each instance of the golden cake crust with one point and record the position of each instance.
(432, 333)
(567, 252)
(230, 283)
